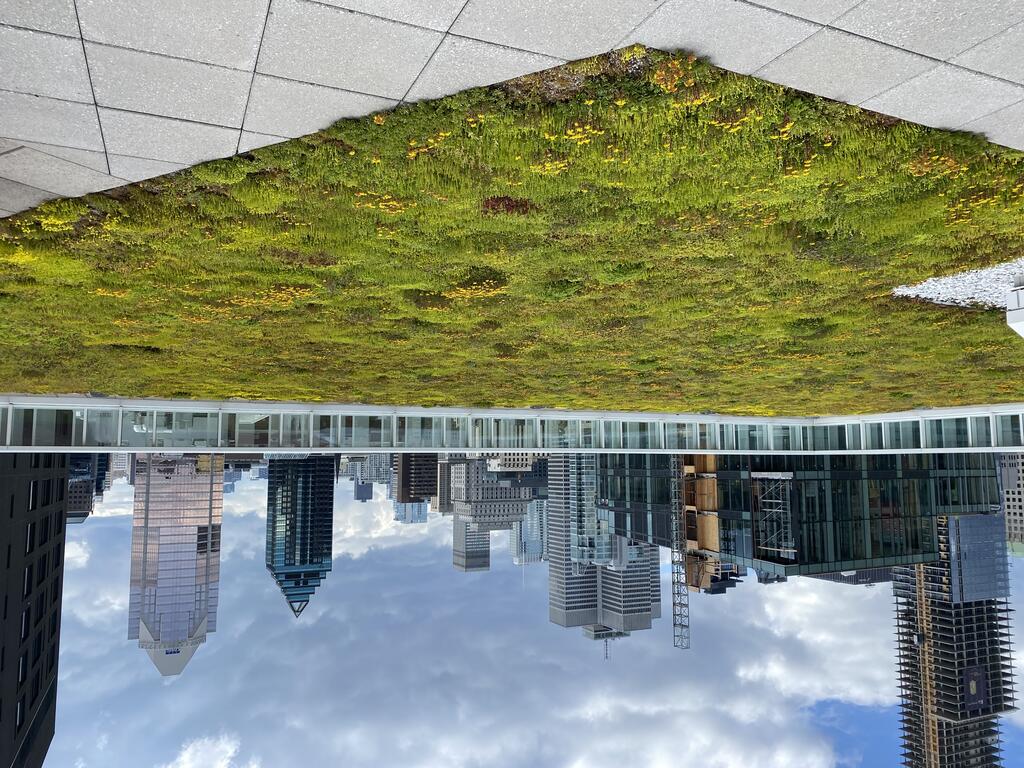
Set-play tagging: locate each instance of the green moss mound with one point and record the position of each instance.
(636, 231)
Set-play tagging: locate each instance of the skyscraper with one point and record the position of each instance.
(798, 515)
(611, 599)
(953, 639)
(175, 574)
(471, 549)
(119, 465)
(528, 540)
(33, 577)
(415, 476)
(481, 502)
(1011, 468)
(444, 483)
(300, 522)
(82, 469)
(374, 468)
(488, 500)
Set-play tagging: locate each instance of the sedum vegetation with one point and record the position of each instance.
(635, 231)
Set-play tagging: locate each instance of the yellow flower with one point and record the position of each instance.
(379, 119)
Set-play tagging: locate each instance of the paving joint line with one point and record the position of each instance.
(88, 72)
(328, 87)
(252, 80)
(860, 104)
(793, 47)
(639, 24)
(62, 159)
(970, 48)
(32, 186)
(831, 25)
(170, 117)
(50, 98)
(67, 146)
(989, 114)
(180, 166)
(433, 53)
(383, 18)
(422, 28)
(8, 25)
(162, 55)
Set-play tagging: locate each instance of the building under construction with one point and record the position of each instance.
(809, 515)
(953, 641)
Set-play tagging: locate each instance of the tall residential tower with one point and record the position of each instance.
(33, 574)
(300, 522)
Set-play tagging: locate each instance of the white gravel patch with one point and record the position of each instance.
(986, 288)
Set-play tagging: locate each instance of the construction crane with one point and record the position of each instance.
(680, 591)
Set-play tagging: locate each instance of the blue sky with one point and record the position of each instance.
(401, 660)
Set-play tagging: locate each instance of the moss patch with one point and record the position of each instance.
(636, 231)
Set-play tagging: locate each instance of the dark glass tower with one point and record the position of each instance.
(953, 638)
(32, 533)
(799, 515)
(415, 476)
(300, 519)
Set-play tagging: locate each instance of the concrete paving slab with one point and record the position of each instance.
(57, 16)
(946, 97)
(1003, 127)
(844, 67)
(821, 11)
(50, 121)
(435, 14)
(564, 30)
(732, 34)
(86, 157)
(43, 64)
(159, 85)
(287, 108)
(163, 138)
(461, 63)
(6, 145)
(252, 141)
(5, 213)
(938, 28)
(225, 32)
(329, 46)
(18, 197)
(50, 174)
(137, 168)
(1002, 55)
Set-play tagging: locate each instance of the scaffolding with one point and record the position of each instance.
(774, 514)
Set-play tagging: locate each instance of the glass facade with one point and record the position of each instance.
(803, 514)
(175, 573)
(240, 426)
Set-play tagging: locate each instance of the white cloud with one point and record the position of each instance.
(76, 555)
(118, 500)
(210, 752)
(360, 526)
(249, 498)
(836, 641)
